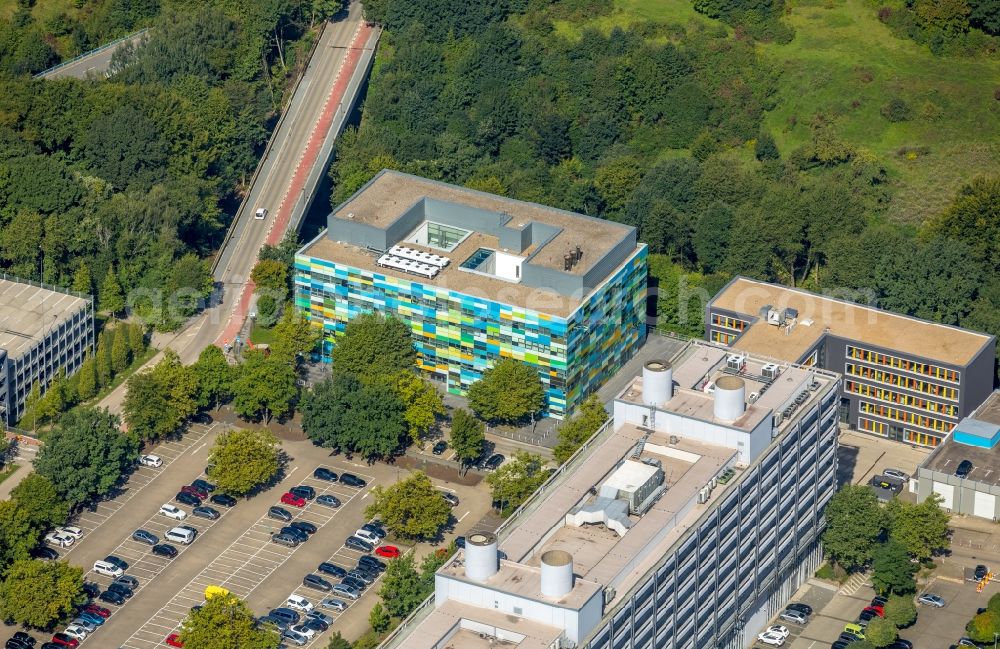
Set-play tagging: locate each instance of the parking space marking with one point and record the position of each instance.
(257, 558)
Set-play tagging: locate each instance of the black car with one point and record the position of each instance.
(878, 600)
(322, 473)
(964, 469)
(45, 552)
(21, 636)
(352, 480)
(51, 645)
(112, 597)
(364, 576)
(375, 528)
(840, 644)
(223, 499)
(206, 512)
(804, 609)
(333, 569)
(121, 589)
(354, 583)
(164, 550)
(142, 536)
(17, 644)
(356, 543)
(866, 616)
(128, 580)
(493, 462)
(267, 620)
(286, 540)
(279, 513)
(305, 526)
(459, 541)
(372, 563)
(440, 448)
(91, 589)
(303, 491)
(317, 582)
(187, 499)
(121, 563)
(316, 624)
(295, 532)
(204, 485)
(981, 572)
(900, 644)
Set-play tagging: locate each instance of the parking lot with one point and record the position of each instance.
(252, 558)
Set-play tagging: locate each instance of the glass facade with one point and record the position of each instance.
(459, 336)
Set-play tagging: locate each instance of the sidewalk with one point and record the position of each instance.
(23, 469)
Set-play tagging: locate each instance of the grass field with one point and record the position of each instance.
(844, 65)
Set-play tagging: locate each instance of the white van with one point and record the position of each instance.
(108, 569)
(183, 535)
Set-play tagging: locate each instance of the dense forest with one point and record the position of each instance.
(128, 183)
(662, 125)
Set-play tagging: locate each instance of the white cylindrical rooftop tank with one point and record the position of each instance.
(657, 382)
(557, 573)
(730, 398)
(481, 558)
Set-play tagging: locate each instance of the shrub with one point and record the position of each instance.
(897, 110)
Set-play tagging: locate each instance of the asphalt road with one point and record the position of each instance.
(310, 104)
(95, 64)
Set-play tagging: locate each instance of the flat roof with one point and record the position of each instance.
(28, 311)
(526, 581)
(446, 620)
(949, 454)
(989, 410)
(848, 320)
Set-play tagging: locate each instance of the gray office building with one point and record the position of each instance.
(42, 330)
(904, 378)
(686, 522)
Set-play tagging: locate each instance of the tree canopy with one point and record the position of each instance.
(578, 429)
(510, 391)
(159, 401)
(516, 479)
(892, 570)
(467, 436)
(264, 386)
(224, 622)
(242, 460)
(921, 528)
(853, 524)
(343, 413)
(411, 508)
(373, 346)
(40, 593)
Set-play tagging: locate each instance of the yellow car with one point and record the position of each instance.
(856, 629)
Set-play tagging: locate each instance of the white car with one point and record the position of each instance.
(72, 531)
(299, 603)
(108, 569)
(151, 460)
(930, 599)
(75, 631)
(87, 626)
(368, 536)
(59, 540)
(771, 638)
(260, 214)
(172, 511)
(778, 629)
(895, 473)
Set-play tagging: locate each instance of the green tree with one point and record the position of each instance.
(82, 282)
(112, 297)
(973, 217)
(881, 632)
(86, 454)
(103, 359)
(18, 535)
(345, 414)
(120, 350)
(510, 391)
(264, 386)
(272, 275)
(37, 497)
(921, 528)
(136, 339)
(901, 611)
(401, 590)
(892, 570)
(467, 436)
(267, 310)
(993, 604)
(422, 400)
(242, 460)
(294, 337)
(373, 346)
(160, 400)
(337, 641)
(40, 593)
(412, 508)
(577, 430)
(765, 147)
(379, 618)
(516, 479)
(854, 522)
(215, 377)
(87, 386)
(983, 626)
(224, 622)
(189, 284)
(30, 417)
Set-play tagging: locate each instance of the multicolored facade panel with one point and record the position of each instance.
(459, 336)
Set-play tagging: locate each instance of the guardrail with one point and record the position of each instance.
(80, 57)
(266, 153)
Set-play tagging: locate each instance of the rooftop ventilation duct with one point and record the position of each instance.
(481, 558)
(730, 398)
(657, 382)
(557, 573)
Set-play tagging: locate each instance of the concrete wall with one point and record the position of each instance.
(968, 497)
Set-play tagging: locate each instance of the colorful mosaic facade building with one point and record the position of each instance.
(479, 277)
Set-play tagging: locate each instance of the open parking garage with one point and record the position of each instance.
(249, 560)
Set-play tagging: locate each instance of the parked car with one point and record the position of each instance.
(900, 643)
(329, 500)
(317, 582)
(375, 528)
(305, 526)
(64, 640)
(316, 614)
(303, 491)
(387, 551)
(896, 473)
(45, 552)
(289, 498)
(460, 542)
(174, 640)
(111, 597)
(778, 629)
(855, 629)
(223, 499)
(930, 599)
(69, 530)
(129, 581)
(142, 536)
(91, 589)
(164, 550)
(94, 609)
(366, 577)
(77, 632)
(964, 469)
(197, 492)
(153, 461)
(355, 543)
(88, 621)
(117, 561)
(294, 532)
(294, 637)
(981, 572)
(204, 485)
(333, 569)
(316, 624)
(21, 636)
(59, 540)
(107, 569)
(370, 562)
(804, 609)
(15, 644)
(493, 462)
(371, 537)
(286, 615)
(286, 540)
(450, 498)
(206, 512)
(352, 480)
(878, 600)
(866, 616)
(841, 644)
(185, 498)
(323, 473)
(80, 626)
(333, 604)
(354, 582)
(279, 513)
(121, 589)
(791, 615)
(769, 638)
(346, 591)
(174, 512)
(299, 603)
(440, 448)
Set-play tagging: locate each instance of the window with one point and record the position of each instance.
(881, 394)
(728, 323)
(904, 416)
(723, 338)
(903, 364)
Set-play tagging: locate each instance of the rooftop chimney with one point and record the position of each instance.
(557, 573)
(481, 558)
(730, 398)
(657, 382)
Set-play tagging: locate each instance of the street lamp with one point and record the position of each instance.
(995, 636)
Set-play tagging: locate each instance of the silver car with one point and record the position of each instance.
(930, 599)
(896, 473)
(790, 615)
(346, 591)
(333, 604)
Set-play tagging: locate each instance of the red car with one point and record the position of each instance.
(195, 491)
(64, 640)
(387, 551)
(97, 610)
(876, 610)
(292, 499)
(174, 640)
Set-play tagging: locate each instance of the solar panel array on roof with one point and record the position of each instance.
(419, 255)
(408, 266)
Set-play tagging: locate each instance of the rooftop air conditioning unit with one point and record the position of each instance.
(770, 370)
(778, 418)
(753, 397)
(736, 362)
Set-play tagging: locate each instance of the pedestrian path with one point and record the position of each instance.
(854, 584)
